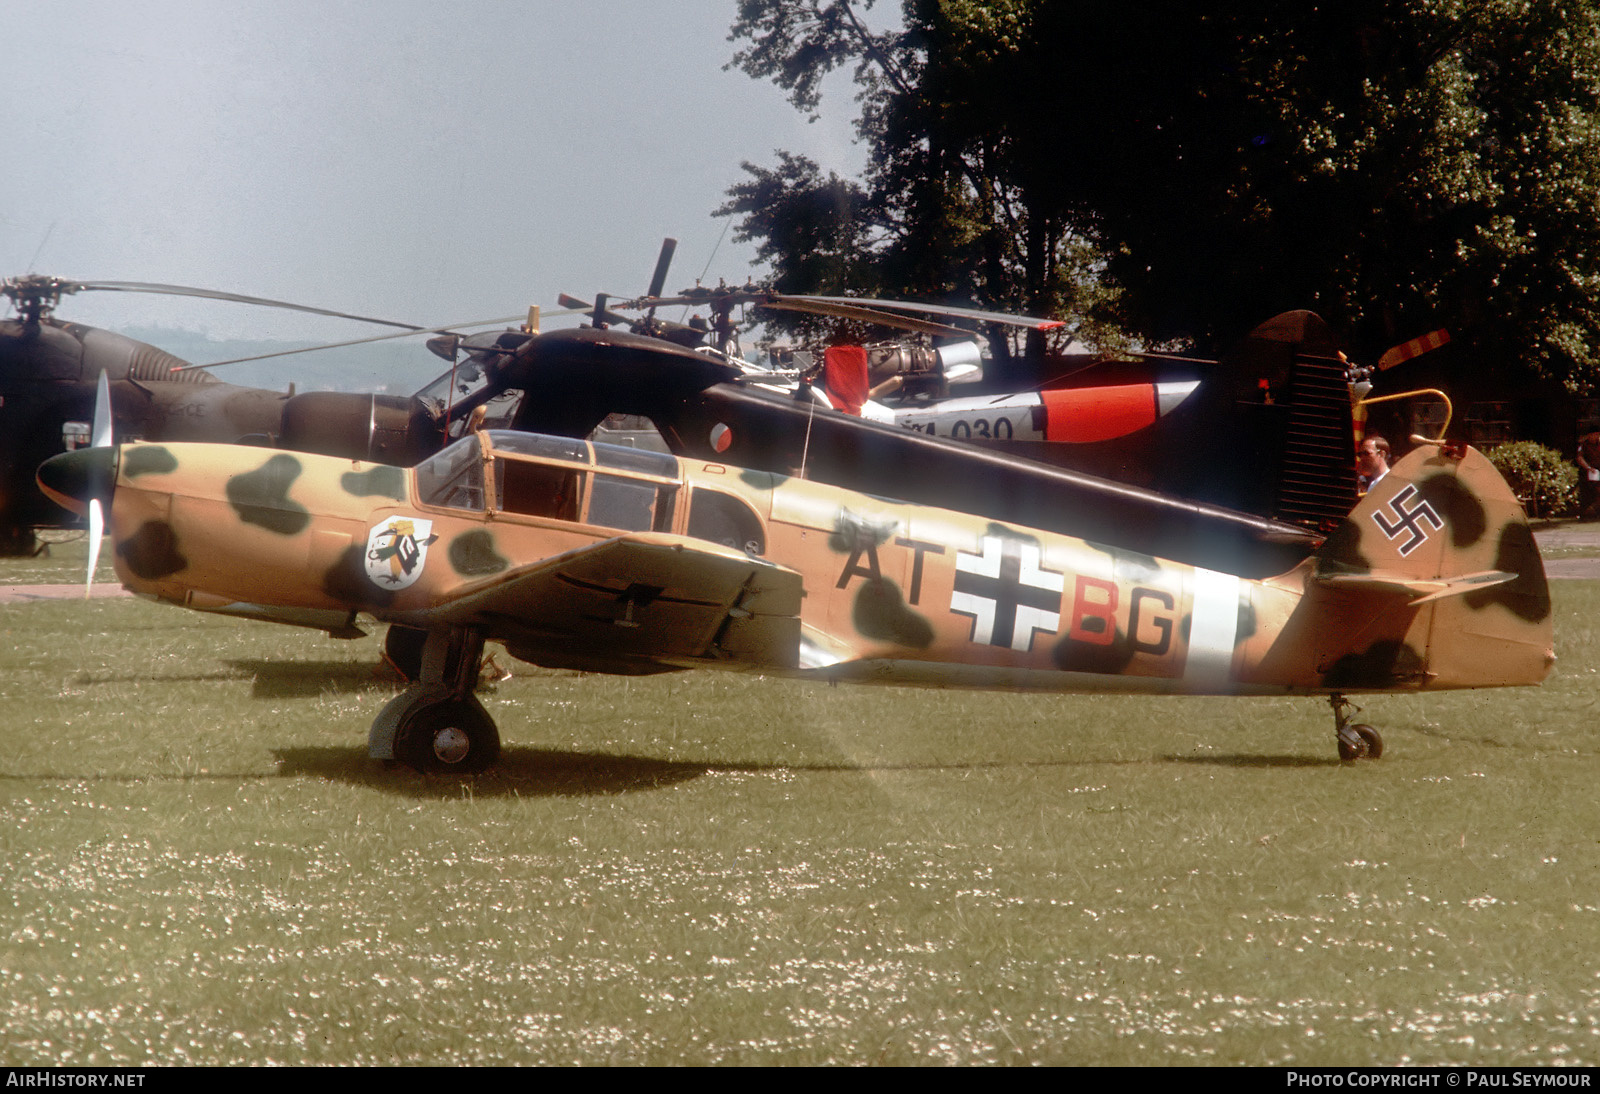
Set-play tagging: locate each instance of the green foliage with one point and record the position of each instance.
(948, 211)
(814, 233)
(1397, 165)
(1546, 484)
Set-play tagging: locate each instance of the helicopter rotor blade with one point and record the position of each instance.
(845, 308)
(615, 318)
(975, 314)
(451, 329)
(658, 280)
(584, 307)
(213, 294)
(868, 309)
(865, 315)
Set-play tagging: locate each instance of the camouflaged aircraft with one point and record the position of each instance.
(586, 556)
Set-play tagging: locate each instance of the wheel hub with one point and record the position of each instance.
(451, 745)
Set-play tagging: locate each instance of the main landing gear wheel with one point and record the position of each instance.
(1356, 742)
(447, 736)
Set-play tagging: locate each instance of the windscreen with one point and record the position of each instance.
(453, 477)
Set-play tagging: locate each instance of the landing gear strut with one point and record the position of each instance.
(402, 648)
(1356, 742)
(18, 541)
(437, 725)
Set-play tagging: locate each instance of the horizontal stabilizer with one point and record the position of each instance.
(1418, 591)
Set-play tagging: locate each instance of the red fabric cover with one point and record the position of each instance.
(844, 370)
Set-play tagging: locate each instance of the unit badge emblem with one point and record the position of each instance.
(396, 551)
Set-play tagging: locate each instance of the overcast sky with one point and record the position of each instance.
(422, 160)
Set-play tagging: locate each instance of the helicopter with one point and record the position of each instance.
(1269, 432)
(48, 372)
(1267, 428)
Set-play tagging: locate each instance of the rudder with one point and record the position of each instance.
(1444, 531)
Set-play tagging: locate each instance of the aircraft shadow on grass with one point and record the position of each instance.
(1250, 760)
(546, 772)
(271, 679)
(308, 679)
(97, 679)
(523, 772)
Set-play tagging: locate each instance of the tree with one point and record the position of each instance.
(1188, 170)
(949, 212)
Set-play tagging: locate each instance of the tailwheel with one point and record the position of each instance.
(1358, 741)
(443, 735)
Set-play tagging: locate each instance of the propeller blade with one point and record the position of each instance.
(100, 437)
(1414, 348)
(97, 529)
(100, 434)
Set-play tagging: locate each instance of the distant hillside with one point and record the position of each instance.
(397, 368)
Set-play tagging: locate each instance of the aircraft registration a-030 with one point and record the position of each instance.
(587, 556)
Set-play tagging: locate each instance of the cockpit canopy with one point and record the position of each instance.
(581, 482)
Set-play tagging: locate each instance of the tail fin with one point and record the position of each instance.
(1441, 550)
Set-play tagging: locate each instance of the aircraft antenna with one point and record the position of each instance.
(47, 233)
(709, 261)
(805, 449)
(714, 251)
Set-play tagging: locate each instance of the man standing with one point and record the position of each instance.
(1372, 462)
(1589, 475)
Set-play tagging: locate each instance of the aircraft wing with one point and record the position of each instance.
(644, 597)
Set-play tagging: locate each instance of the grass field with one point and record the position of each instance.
(201, 866)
